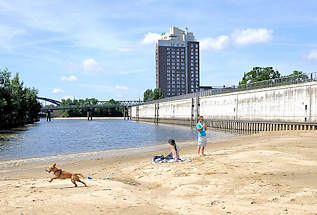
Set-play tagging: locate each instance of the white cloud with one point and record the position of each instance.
(251, 36)
(214, 43)
(124, 50)
(312, 55)
(91, 66)
(56, 91)
(150, 38)
(69, 78)
(238, 37)
(121, 87)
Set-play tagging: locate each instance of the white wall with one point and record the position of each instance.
(147, 111)
(180, 109)
(285, 103)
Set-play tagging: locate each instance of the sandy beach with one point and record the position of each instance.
(265, 173)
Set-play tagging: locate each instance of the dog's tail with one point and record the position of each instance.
(81, 175)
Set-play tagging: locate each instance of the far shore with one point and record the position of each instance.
(265, 173)
(97, 117)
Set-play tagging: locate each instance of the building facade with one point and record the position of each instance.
(177, 63)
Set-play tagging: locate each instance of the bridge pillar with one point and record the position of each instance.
(89, 114)
(125, 113)
(128, 113)
(48, 116)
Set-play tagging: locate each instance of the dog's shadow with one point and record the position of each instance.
(68, 187)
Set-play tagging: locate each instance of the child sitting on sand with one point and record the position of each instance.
(173, 156)
(174, 151)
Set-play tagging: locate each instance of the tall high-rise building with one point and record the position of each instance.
(177, 63)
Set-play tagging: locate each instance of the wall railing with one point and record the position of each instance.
(284, 80)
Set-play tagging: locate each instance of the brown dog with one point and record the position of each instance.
(61, 174)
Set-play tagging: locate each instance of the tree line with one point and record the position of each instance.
(102, 111)
(258, 74)
(18, 104)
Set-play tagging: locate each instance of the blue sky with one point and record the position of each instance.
(105, 49)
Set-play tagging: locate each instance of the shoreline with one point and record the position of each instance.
(271, 172)
(107, 153)
(151, 146)
(82, 156)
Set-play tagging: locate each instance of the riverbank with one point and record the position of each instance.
(265, 173)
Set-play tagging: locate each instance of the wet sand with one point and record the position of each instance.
(265, 173)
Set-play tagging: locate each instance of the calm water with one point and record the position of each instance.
(73, 136)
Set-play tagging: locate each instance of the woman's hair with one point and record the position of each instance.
(172, 143)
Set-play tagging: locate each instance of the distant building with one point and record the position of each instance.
(177, 63)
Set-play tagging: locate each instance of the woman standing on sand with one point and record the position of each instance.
(201, 127)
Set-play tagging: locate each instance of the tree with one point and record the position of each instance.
(157, 94)
(148, 95)
(18, 104)
(298, 76)
(259, 74)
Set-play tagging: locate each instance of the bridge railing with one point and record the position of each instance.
(285, 80)
(102, 104)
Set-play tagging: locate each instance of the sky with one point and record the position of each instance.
(106, 49)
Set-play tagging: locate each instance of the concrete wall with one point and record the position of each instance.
(179, 109)
(147, 111)
(292, 103)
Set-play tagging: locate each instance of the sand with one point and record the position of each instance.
(265, 173)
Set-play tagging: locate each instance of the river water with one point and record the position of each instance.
(68, 136)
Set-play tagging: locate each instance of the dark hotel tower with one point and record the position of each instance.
(177, 63)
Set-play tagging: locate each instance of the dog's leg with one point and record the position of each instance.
(52, 179)
(74, 182)
(82, 182)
